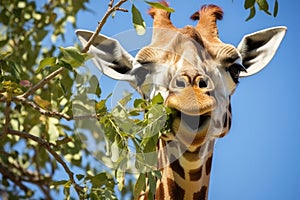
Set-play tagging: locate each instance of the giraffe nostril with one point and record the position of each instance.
(180, 83)
(202, 84)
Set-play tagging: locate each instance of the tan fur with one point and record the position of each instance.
(191, 101)
(207, 25)
(161, 18)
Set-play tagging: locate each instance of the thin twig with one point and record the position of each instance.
(41, 110)
(110, 4)
(43, 82)
(81, 117)
(10, 175)
(57, 157)
(9, 171)
(122, 9)
(102, 22)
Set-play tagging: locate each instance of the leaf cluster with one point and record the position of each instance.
(135, 132)
(262, 5)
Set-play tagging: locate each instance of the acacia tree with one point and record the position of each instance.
(40, 154)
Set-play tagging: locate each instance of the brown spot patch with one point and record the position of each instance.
(176, 192)
(208, 165)
(196, 174)
(176, 167)
(160, 191)
(201, 195)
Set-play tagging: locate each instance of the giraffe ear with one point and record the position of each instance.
(109, 56)
(257, 49)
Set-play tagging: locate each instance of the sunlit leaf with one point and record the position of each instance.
(51, 61)
(120, 176)
(263, 5)
(160, 6)
(4, 55)
(58, 183)
(41, 102)
(124, 101)
(158, 99)
(138, 21)
(140, 185)
(73, 56)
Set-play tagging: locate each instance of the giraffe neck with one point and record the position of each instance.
(186, 177)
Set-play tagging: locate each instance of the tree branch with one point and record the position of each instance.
(110, 4)
(41, 110)
(10, 175)
(57, 157)
(43, 82)
(110, 10)
(9, 171)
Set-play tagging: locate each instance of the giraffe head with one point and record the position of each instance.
(191, 67)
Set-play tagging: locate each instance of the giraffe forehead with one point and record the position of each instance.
(169, 45)
(181, 54)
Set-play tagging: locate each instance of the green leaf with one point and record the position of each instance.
(64, 140)
(160, 6)
(158, 99)
(40, 35)
(139, 186)
(58, 183)
(51, 61)
(275, 12)
(94, 86)
(67, 184)
(152, 185)
(252, 13)
(100, 179)
(16, 70)
(249, 3)
(73, 56)
(138, 21)
(120, 176)
(263, 5)
(4, 55)
(139, 103)
(67, 189)
(79, 176)
(124, 101)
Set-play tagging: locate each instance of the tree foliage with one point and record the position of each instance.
(40, 154)
(262, 5)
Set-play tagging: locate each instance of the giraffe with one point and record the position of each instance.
(197, 74)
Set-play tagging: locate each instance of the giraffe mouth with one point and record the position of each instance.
(195, 123)
(191, 130)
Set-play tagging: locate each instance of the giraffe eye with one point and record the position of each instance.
(180, 83)
(234, 71)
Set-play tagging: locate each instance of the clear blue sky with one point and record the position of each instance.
(259, 159)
